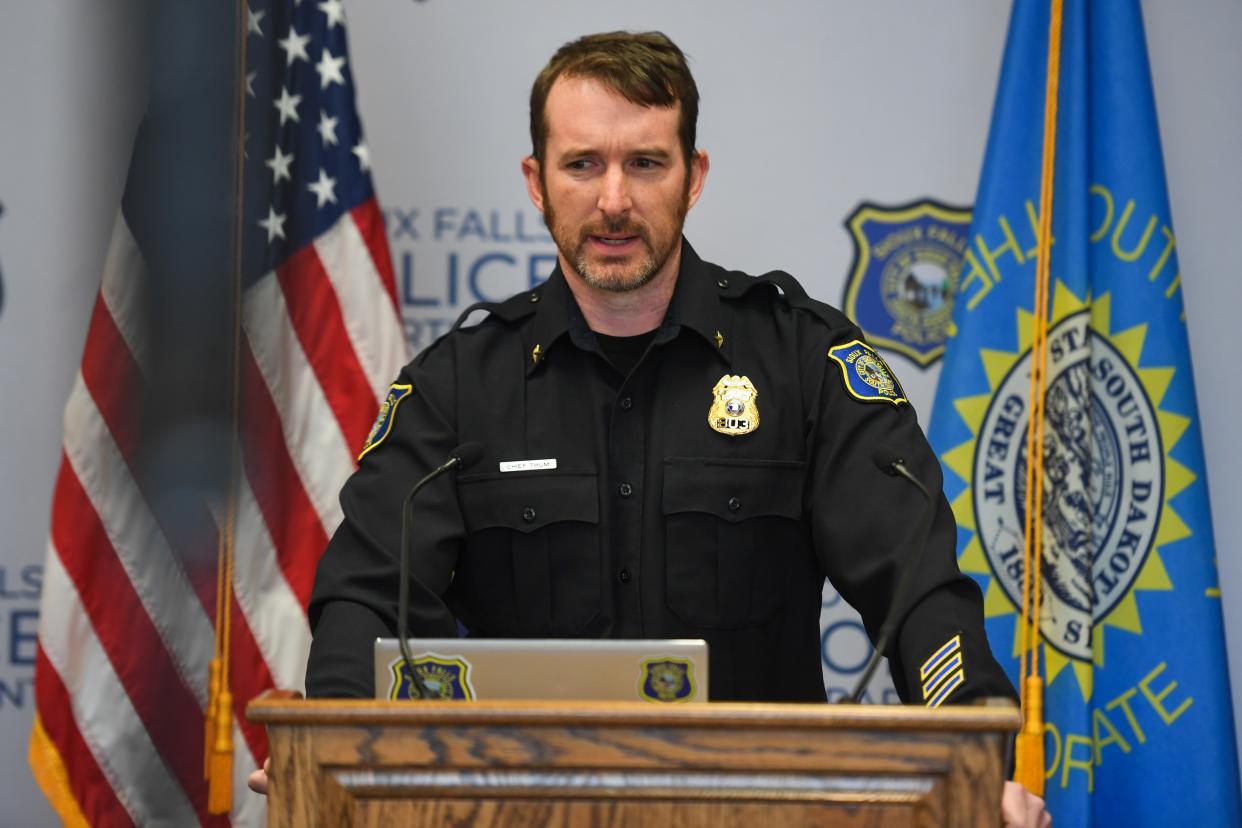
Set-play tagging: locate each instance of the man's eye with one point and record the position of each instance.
(646, 163)
(579, 164)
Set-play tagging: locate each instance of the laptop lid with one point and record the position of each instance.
(661, 670)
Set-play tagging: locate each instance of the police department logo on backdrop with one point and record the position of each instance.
(1108, 480)
(906, 265)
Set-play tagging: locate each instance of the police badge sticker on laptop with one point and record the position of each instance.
(667, 679)
(446, 677)
(866, 374)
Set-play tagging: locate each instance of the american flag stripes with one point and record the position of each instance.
(129, 595)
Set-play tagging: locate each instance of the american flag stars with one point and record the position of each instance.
(280, 166)
(324, 189)
(364, 156)
(329, 69)
(335, 12)
(324, 159)
(327, 128)
(287, 106)
(253, 19)
(294, 45)
(274, 224)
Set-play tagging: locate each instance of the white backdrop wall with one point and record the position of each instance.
(70, 100)
(808, 108)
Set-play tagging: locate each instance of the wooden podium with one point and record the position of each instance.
(368, 763)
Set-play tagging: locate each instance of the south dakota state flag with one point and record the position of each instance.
(1140, 730)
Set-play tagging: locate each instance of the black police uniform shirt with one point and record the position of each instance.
(650, 523)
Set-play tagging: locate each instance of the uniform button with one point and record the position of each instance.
(624, 576)
(528, 514)
(625, 489)
(734, 504)
(626, 403)
(534, 297)
(724, 283)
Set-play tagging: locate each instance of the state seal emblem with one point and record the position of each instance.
(446, 677)
(1110, 489)
(1102, 489)
(907, 260)
(667, 679)
(735, 408)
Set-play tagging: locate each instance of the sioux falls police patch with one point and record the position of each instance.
(445, 677)
(866, 374)
(667, 680)
(735, 406)
(384, 420)
(1103, 482)
(907, 260)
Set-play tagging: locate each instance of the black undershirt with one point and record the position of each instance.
(624, 352)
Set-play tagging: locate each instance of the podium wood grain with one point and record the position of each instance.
(368, 763)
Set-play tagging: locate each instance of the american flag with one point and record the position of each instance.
(128, 614)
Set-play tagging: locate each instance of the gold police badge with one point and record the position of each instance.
(734, 409)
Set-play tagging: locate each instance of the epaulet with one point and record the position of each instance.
(510, 310)
(739, 284)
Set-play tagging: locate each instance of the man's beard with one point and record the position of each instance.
(613, 275)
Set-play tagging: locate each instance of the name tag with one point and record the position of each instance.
(527, 465)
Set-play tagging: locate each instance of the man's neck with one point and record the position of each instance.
(629, 313)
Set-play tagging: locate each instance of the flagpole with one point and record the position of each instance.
(220, 707)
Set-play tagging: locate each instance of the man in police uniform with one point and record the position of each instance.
(671, 449)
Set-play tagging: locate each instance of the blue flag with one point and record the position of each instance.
(1140, 729)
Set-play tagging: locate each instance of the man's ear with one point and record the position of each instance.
(534, 186)
(699, 165)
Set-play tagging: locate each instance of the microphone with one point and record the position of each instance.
(464, 456)
(891, 463)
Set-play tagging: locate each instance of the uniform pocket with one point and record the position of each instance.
(530, 565)
(731, 527)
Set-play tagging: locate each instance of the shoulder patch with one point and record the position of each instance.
(866, 375)
(387, 413)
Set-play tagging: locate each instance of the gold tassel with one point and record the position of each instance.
(220, 787)
(209, 720)
(1029, 759)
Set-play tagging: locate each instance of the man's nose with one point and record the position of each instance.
(614, 194)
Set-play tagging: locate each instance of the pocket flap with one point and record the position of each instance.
(733, 489)
(526, 501)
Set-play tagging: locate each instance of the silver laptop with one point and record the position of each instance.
(658, 670)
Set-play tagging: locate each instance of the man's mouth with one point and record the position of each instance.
(616, 242)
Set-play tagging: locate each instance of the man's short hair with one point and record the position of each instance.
(645, 68)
